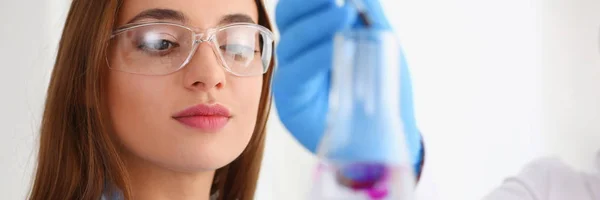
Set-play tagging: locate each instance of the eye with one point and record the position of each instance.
(157, 46)
(239, 52)
(156, 42)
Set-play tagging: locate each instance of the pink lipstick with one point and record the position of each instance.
(208, 118)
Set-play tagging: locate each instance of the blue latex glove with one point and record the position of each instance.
(305, 51)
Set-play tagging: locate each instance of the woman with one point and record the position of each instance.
(156, 99)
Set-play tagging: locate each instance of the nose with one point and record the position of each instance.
(204, 70)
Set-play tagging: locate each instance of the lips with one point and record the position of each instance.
(207, 118)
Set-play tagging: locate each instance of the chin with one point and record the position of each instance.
(197, 162)
(190, 153)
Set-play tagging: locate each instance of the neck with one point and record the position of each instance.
(151, 182)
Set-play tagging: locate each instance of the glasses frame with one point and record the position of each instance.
(208, 35)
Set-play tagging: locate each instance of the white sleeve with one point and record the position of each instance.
(512, 189)
(532, 183)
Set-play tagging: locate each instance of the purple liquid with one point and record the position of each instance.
(369, 178)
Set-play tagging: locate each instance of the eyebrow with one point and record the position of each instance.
(159, 14)
(169, 14)
(236, 18)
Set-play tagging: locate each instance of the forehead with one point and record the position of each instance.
(197, 13)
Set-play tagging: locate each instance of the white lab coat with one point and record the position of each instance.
(543, 179)
(550, 179)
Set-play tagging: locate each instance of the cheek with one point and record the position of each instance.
(246, 94)
(136, 98)
(244, 97)
(139, 109)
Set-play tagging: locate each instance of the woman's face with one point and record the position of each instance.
(149, 112)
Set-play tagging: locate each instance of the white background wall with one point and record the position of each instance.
(29, 30)
(571, 78)
(497, 83)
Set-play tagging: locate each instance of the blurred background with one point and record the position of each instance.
(497, 84)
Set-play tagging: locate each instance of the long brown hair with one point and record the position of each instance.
(77, 155)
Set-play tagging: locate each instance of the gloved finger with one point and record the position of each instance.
(376, 14)
(317, 28)
(306, 121)
(300, 87)
(297, 78)
(288, 11)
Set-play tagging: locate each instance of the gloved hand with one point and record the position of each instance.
(302, 80)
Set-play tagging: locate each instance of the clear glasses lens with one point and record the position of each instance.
(158, 49)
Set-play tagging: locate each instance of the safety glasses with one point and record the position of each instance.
(160, 48)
